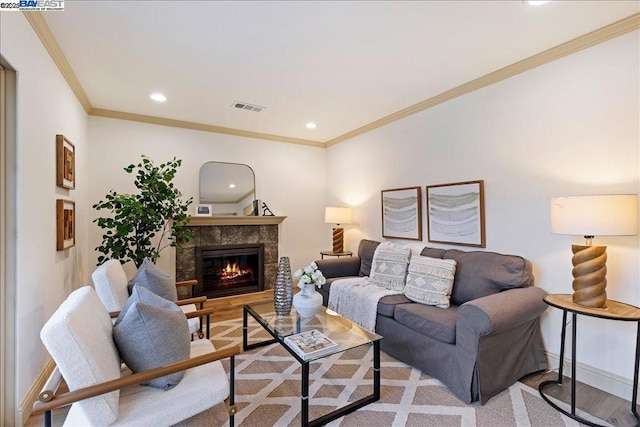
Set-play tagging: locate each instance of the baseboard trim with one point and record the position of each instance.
(26, 406)
(605, 381)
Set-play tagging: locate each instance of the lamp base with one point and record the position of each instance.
(589, 275)
(338, 240)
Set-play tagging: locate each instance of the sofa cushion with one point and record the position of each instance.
(479, 274)
(390, 264)
(366, 251)
(151, 332)
(434, 322)
(432, 252)
(387, 305)
(430, 280)
(79, 338)
(156, 280)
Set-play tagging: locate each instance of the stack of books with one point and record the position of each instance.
(310, 343)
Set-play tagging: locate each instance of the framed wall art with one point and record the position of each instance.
(455, 213)
(402, 213)
(65, 224)
(204, 210)
(65, 163)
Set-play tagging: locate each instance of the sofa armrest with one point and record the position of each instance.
(502, 311)
(339, 267)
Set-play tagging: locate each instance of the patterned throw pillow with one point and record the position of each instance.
(430, 280)
(389, 266)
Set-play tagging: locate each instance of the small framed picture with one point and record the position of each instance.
(204, 210)
(65, 224)
(65, 163)
(455, 213)
(402, 213)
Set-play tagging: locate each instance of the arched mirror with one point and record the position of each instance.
(229, 187)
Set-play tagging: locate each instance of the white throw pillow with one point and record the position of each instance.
(430, 280)
(79, 338)
(389, 266)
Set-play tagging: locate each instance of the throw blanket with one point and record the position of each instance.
(357, 300)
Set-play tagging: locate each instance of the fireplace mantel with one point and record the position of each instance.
(235, 220)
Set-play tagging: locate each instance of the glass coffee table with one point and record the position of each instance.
(345, 333)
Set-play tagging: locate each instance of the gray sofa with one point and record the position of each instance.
(485, 341)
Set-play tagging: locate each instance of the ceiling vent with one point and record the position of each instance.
(247, 106)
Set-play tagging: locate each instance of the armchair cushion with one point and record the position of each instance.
(110, 281)
(152, 332)
(430, 280)
(156, 280)
(79, 338)
(202, 387)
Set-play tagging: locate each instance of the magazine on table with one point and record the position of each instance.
(310, 343)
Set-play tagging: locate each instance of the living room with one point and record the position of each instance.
(568, 127)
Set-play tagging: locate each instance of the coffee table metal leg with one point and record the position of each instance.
(304, 395)
(634, 396)
(244, 329)
(376, 369)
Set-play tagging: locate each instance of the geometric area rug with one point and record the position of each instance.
(268, 392)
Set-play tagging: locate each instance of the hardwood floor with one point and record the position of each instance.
(596, 402)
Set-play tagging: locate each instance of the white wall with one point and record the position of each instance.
(289, 178)
(566, 128)
(46, 107)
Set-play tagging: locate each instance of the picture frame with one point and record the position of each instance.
(402, 213)
(65, 163)
(65, 224)
(204, 210)
(455, 213)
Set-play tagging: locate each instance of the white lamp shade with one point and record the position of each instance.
(337, 215)
(606, 215)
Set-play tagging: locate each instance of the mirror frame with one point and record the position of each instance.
(217, 203)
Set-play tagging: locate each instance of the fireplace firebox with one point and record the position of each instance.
(229, 270)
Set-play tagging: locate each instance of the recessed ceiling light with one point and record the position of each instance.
(232, 186)
(310, 125)
(158, 97)
(537, 2)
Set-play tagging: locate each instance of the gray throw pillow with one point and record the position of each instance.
(152, 332)
(156, 280)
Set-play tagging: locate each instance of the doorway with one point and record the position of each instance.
(7, 244)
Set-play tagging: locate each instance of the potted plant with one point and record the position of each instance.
(155, 212)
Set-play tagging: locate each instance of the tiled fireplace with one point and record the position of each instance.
(229, 256)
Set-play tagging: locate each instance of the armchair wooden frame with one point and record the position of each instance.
(48, 400)
(199, 302)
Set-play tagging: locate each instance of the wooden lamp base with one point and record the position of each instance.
(589, 273)
(338, 240)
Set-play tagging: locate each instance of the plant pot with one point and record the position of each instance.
(307, 301)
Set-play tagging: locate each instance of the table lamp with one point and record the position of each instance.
(337, 216)
(589, 216)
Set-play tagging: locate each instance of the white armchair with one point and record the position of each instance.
(111, 284)
(79, 337)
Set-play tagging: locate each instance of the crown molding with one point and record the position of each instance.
(99, 112)
(49, 42)
(585, 41)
